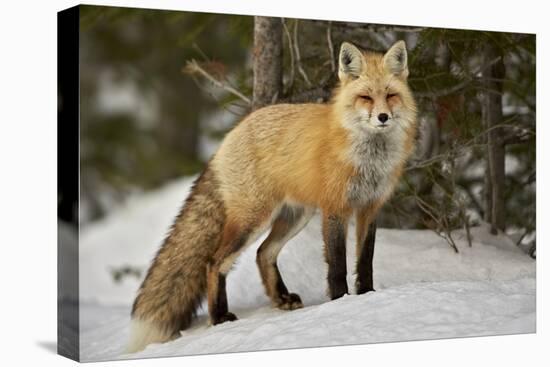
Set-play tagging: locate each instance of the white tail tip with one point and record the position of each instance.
(143, 333)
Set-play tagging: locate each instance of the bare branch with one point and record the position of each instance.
(200, 51)
(331, 47)
(517, 135)
(523, 134)
(345, 26)
(388, 28)
(298, 57)
(440, 220)
(291, 52)
(223, 105)
(470, 78)
(445, 91)
(193, 67)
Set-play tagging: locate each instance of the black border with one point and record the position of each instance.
(68, 315)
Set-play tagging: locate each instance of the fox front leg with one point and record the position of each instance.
(334, 237)
(365, 221)
(365, 252)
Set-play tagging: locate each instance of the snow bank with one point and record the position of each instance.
(131, 235)
(134, 232)
(424, 289)
(415, 311)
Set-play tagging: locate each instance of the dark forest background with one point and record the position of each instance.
(159, 89)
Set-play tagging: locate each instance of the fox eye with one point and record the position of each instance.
(391, 95)
(366, 98)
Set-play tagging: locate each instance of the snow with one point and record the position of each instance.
(424, 289)
(131, 235)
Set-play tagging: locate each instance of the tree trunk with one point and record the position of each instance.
(268, 61)
(492, 116)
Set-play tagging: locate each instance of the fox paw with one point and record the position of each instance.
(290, 301)
(362, 290)
(229, 316)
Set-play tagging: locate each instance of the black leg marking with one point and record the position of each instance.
(281, 287)
(217, 296)
(335, 242)
(288, 301)
(220, 313)
(364, 282)
(221, 299)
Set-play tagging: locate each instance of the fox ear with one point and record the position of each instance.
(350, 62)
(395, 60)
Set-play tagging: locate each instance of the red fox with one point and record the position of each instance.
(273, 170)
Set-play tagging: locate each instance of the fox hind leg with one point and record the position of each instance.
(290, 220)
(234, 239)
(217, 297)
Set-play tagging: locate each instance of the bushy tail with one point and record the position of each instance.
(176, 281)
(143, 333)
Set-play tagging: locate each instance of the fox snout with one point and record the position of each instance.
(383, 118)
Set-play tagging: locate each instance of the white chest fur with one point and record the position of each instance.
(376, 158)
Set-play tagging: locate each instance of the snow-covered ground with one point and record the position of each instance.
(424, 289)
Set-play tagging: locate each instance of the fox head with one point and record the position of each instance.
(374, 96)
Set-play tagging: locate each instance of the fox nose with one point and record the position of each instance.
(383, 117)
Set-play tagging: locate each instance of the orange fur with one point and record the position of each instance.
(276, 166)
